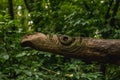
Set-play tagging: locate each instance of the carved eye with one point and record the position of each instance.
(66, 40)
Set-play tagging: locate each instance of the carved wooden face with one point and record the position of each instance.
(52, 43)
(106, 51)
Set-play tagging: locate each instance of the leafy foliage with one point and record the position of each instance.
(84, 18)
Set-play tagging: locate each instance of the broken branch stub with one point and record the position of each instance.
(86, 49)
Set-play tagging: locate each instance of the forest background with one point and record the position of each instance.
(84, 18)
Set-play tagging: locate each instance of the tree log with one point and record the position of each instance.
(86, 49)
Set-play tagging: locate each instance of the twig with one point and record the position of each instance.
(48, 70)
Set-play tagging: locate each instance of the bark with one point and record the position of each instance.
(86, 49)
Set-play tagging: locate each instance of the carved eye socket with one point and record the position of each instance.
(66, 40)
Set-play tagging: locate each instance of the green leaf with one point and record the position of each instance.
(6, 57)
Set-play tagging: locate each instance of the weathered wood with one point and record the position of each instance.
(86, 49)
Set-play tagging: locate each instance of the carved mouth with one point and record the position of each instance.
(33, 40)
(25, 43)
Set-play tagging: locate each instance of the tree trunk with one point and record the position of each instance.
(115, 10)
(86, 49)
(107, 15)
(11, 11)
